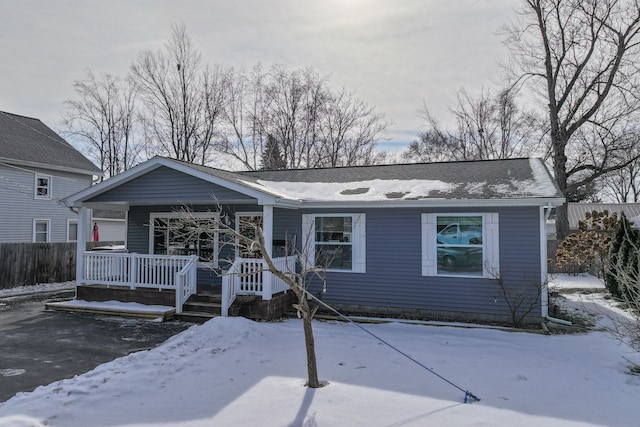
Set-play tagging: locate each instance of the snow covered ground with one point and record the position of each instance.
(234, 372)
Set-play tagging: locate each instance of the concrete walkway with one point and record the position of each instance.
(38, 347)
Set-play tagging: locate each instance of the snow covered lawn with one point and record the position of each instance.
(234, 372)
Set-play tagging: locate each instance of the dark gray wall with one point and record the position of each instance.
(394, 275)
(165, 184)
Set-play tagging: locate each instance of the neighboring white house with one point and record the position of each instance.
(38, 168)
(112, 225)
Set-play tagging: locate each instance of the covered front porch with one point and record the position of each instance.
(172, 280)
(164, 259)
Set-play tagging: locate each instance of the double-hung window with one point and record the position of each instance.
(335, 241)
(42, 187)
(460, 245)
(192, 234)
(41, 230)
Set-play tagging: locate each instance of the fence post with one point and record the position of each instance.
(266, 280)
(133, 271)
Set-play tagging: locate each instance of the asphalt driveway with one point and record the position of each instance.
(38, 347)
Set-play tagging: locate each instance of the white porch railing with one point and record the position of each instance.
(142, 271)
(251, 276)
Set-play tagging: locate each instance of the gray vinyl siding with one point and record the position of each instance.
(393, 277)
(18, 207)
(168, 185)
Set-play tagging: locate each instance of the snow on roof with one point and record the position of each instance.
(529, 178)
(372, 190)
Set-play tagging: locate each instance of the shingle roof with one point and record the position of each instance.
(488, 179)
(28, 140)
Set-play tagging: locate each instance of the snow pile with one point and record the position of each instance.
(37, 289)
(232, 371)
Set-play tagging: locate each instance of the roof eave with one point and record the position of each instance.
(435, 203)
(59, 168)
(81, 197)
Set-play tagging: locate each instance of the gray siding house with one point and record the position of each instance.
(427, 240)
(37, 170)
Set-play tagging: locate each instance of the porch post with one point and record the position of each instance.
(267, 232)
(81, 245)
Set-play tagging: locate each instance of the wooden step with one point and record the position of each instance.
(194, 316)
(202, 307)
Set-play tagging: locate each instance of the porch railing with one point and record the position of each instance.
(251, 276)
(176, 273)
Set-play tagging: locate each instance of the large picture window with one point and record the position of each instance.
(174, 234)
(460, 245)
(336, 241)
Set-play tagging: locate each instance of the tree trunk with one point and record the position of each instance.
(312, 367)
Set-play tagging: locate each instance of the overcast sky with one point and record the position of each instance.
(394, 54)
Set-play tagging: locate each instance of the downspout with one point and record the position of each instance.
(545, 212)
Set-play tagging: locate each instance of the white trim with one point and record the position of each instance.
(49, 187)
(155, 163)
(427, 203)
(50, 167)
(544, 292)
(69, 222)
(490, 244)
(209, 215)
(358, 240)
(42, 220)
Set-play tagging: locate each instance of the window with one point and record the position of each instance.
(174, 234)
(460, 245)
(245, 226)
(72, 230)
(336, 241)
(41, 230)
(43, 187)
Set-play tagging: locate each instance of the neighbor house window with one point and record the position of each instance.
(189, 234)
(335, 241)
(43, 187)
(41, 233)
(72, 230)
(460, 245)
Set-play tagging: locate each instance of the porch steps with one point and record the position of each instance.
(200, 307)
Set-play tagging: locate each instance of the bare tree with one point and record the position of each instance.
(623, 185)
(102, 118)
(314, 127)
(487, 127)
(249, 238)
(349, 131)
(183, 97)
(580, 57)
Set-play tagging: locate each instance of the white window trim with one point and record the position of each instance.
(210, 215)
(49, 186)
(69, 222)
(48, 222)
(358, 243)
(490, 244)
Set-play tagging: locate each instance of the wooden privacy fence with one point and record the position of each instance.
(32, 263)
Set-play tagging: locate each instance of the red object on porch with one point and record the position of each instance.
(96, 232)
